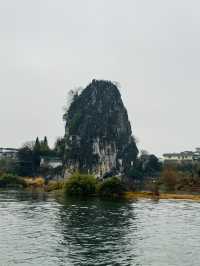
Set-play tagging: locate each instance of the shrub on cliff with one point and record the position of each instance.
(81, 185)
(9, 180)
(111, 187)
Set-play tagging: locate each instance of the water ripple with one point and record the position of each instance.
(38, 230)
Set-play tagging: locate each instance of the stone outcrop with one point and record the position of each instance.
(98, 135)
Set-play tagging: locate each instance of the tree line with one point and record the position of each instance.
(28, 161)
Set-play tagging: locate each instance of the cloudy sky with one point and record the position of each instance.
(152, 48)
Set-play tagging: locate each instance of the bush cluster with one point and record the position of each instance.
(111, 187)
(55, 185)
(82, 185)
(10, 180)
(87, 185)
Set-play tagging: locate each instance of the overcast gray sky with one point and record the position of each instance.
(152, 48)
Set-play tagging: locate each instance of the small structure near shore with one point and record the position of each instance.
(8, 153)
(52, 162)
(185, 156)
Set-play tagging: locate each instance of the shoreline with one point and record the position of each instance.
(130, 195)
(169, 196)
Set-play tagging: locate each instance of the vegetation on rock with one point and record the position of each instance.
(111, 187)
(80, 185)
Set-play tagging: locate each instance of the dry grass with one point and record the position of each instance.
(54, 185)
(39, 182)
(36, 182)
(150, 195)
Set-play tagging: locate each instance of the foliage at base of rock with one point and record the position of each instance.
(81, 185)
(9, 180)
(111, 187)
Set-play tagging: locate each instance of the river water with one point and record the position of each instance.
(36, 229)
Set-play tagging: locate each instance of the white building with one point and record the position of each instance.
(52, 162)
(8, 153)
(186, 156)
(182, 156)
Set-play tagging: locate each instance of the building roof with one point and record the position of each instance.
(8, 149)
(51, 158)
(171, 154)
(184, 153)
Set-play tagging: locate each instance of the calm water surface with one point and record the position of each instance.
(40, 230)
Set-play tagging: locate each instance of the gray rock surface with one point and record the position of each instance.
(98, 133)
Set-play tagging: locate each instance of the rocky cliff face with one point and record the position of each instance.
(98, 134)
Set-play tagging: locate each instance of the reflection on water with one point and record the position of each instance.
(95, 232)
(40, 230)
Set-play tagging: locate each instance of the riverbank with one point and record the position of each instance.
(134, 195)
(149, 195)
(39, 184)
(58, 186)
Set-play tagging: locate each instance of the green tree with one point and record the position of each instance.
(147, 165)
(46, 142)
(27, 165)
(37, 146)
(44, 147)
(8, 165)
(59, 148)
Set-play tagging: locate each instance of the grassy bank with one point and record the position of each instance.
(39, 183)
(11, 181)
(85, 185)
(149, 195)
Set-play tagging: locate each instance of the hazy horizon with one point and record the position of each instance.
(152, 48)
